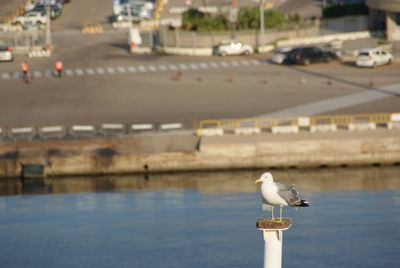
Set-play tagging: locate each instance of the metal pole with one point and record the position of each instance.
(262, 22)
(48, 29)
(273, 240)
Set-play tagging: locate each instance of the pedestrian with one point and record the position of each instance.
(24, 67)
(59, 68)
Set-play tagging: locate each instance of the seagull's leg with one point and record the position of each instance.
(280, 214)
(272, 210)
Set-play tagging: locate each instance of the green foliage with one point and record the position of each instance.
(195, 20)
(248, 18)
(345, 10)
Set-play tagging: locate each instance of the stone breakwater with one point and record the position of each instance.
(168, 153)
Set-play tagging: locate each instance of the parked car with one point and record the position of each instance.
(309, 54)
(30, 17)
(373, 57)
(232, 47)
(6, 53)
(279, 54)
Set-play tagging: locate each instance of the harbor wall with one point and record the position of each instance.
(170, 153)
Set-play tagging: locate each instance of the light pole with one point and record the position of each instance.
(48, 29)
(261, 22)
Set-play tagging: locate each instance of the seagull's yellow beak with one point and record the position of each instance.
(258, 181)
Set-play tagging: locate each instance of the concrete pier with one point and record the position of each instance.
(146, 154)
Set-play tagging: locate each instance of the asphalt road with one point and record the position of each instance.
(104, 83)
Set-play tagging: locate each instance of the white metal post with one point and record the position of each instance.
(273, 249)
(273, 240)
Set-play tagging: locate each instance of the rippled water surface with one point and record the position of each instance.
(199, 220)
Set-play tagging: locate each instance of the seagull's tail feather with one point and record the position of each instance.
(304, 203)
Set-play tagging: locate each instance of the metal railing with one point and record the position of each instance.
(243, 126)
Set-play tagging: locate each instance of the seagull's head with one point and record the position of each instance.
(267, 176)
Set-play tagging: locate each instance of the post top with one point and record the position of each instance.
(273, 225)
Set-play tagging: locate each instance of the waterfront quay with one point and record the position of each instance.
(187, 152)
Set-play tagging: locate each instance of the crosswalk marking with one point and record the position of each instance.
(162, 68)
(48, 73)
(203, 65)
(100, 70)
(79, 72)
(121, 69)
(173, 67)
(235, 63)
(69, 72)
(214, 64)
(37, 74)
(183, 66)
(142, 68)
(90, 71)
(152, 68)
(193, 66)
(16, 75)
(139, 68)
(131, 69)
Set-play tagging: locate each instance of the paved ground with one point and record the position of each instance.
(104, 83)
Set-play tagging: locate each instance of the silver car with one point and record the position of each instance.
(232, 47)
(6, 53)
(279, 54)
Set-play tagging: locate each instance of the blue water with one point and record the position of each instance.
(187, 228)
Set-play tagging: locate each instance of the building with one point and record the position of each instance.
(385, 15)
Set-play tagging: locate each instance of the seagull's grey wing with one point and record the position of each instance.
(288, 193)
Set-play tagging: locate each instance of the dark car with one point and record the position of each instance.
(309, 54)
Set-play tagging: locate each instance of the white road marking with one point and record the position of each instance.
(121, 69)
(100, 70)
(152, 68)
(203, 65)
(324, 106)
(37, 74)
(90, 71)
(79, 72)
(173, 67)
(142, 68)
(69, 72)
(5, 75)
(214, 64)
(16, 75)
(183, 66)
(162, 68)
(110, 70)
(235, 63)
(193, 66)
(131, 69)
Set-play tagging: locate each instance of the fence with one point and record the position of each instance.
(178, 38)
(324, 123)
(24, 41)
(244, 126)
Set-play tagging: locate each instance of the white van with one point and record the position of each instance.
(372, 57)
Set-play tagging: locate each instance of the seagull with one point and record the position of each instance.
(278, 194)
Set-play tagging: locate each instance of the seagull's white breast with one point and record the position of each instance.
(269, 192)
